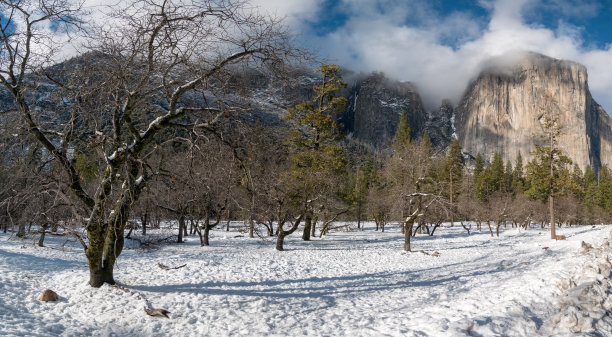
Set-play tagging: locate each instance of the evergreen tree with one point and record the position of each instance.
(508, 176)
(546, 169)
(589, 176)
(478, 166)
(497, 172)
(402, 134)
(316, 156)
(364, 177)
(590, 199)
(453, 173)
(426, 143)
(605, 188)
(484, 184)
(518, 180)
(578, 183)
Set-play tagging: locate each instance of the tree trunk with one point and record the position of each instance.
(185, 234)
(270, 228)
(313, 228)
(41, 240)
(451, 199)
(490, 229)
(181, 225)
(280, 240)
(227, 225)
(307, 226)
(553, 234)
(144, 219)
(129, 234)
(21, 233)
(407, 233)
(105, 245)
(206, 234)
(99, 276)
(251, 228)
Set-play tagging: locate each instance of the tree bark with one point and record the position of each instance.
(206, 235)
(280, 239)
(490, 229)
(144, 219)
(451, 199)
(41, 240)
(181, 225)
(553, 233)
(313, 227)
(307, 226)
(21, 232)
(407, 233)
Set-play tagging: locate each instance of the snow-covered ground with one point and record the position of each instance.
(347, 284)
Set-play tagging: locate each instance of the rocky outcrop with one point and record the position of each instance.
(439, 125)
(501, 109)
(374, 106)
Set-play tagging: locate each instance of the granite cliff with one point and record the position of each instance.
(500, 110)
(374, 105)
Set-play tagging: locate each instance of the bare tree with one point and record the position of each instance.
(159, 66)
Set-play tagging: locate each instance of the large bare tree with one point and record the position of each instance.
(155, 66)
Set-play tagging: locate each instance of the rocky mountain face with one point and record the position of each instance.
(374, 106)
(502, 108)
(439, 124)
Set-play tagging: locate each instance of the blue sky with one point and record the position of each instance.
(441, 45)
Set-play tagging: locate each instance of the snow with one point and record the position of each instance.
(348, 283)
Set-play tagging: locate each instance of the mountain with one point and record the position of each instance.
(501, 110)
(374, 105)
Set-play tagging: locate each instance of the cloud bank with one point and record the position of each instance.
(411, 41)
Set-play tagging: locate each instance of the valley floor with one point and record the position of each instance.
(347, 284)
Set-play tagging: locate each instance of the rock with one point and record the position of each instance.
(157, 312)
(374, 105)
(501, 111)
(48, 295)
(586, 246)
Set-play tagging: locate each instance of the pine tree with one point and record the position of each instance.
(478, 166)
(518, 180)
(497, 172)
(578, 183)
(402, 134)
(453, 173)
(426, 143)
(362, 181)
(591, 190)
(605, 188)
(315, 153)
(508, 176)
(549, 161)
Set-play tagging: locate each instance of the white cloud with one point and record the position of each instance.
(295, 11)
(377, 38)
